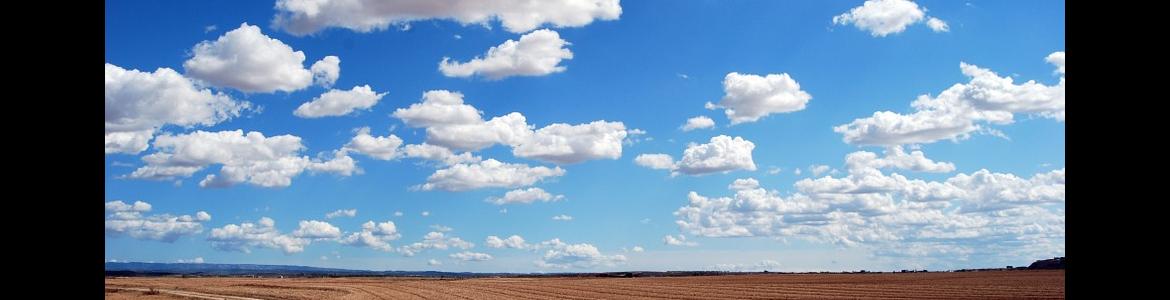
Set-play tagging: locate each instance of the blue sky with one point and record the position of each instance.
(650, 68)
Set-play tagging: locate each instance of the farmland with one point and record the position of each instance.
(1033, 284)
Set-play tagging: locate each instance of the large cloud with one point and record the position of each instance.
(536, 54)
(452, 124)
(721, 154)
(374, 235)
(263, 234)
(489, 173)
(961, 109)
(893, 215)
(139, 103)
(747, 97)
(253, 158)
(247, 60)
(128, 219)
(339, 102)
(884, 17)
(301, 17)
(563, 255)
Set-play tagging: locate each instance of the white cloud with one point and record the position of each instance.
(536, 54)
(317, 230)
(489, 173)
(263, 234)
(342, 213)
(959, 110)
(748, 97)
(247, 60)
(302, 17)
(982, 213)
(253, 158)
(681, 240)
(471, 256)
(441, 228)
(655, 161)
(774, 170)
(514, 242)
(128, 219)
(937, 25)
(209, 28)
(139, 103)
(884, 17)
(326, 71)
(568, 144)
(398, 214)
(562, 217)
(637, 249)
(374, 235)
(434, 262)
(817, 170)
(425, 213)
(452, 124)
(562, 255)
(1056, 59)
(378, 147)
(525, 196)
(721, 154)
(895, 157)
(435, 240)
(339, 103)
(796, 172)
(699, 122)
(197, 260)
(439, 154)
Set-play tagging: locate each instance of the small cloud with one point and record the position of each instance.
(562, 218)
(645, 221)
(503, 210)
(441, 228)
(398, 214)
(324, 257)
(458, 37)
(209, 28)
(341, 213)
(683, 76)
(197, 260)
(681, 240)
(637, 249)
(425, 213)
(121, 164)
(796, 172)
(774, 170)
(434, 262)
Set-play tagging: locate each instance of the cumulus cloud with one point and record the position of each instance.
(302, 17)
(817, 170)
(1056, 59)
(681, 240)
(721, 154)
(247, 60)
(524, 196)
(471, 256)
(253, 158)
(489, 173)
(980, 213)
(317, 230)
(700, 122)
(434, 262)
(514, 242)
(129, 220)
(637, 249)
(263, 234)
(452, 124)
(339, 103)
(435, 240)
(139, 103)
(562, 255)
(748, 97)
(655, 161)
(378, 147)
(960, 110)
(896, 157)
(536, 54)
(439, 154)
(885, 17)
(562, 217)
(374, 235)
(937, 25)
(326, 71)
(342, 213)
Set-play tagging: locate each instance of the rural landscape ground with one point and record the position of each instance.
(1030, 284)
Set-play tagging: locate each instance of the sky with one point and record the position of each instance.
(585, 135)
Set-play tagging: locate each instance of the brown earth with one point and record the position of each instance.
(1031, 284)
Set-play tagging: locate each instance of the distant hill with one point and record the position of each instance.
(1054, 263)
(156, 269)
